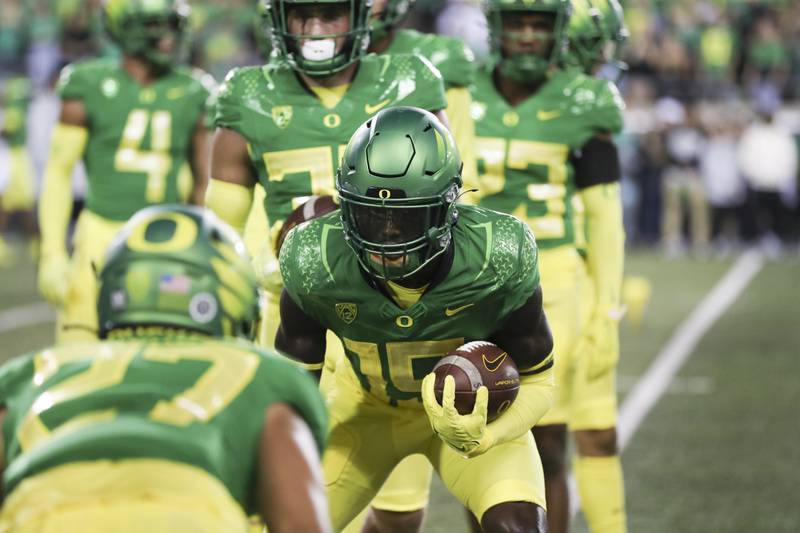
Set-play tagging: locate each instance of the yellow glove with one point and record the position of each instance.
(53, 278)
(600, 341)
(467, 434)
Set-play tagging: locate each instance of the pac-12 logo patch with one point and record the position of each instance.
(282, 115)
(347, 312)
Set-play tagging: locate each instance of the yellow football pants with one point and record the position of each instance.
(368, 438)
(77, 320)
(129, 496)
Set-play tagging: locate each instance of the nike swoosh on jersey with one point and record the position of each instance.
(493, 364)
(370, 109)
(451, 312)
(543, 115)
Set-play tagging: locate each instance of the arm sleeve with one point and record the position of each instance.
(605, 247)
(55, 205)
(597, 162)
(535, 397)
(230, 201)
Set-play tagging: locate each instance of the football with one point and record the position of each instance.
(472, 365)
(314, 207)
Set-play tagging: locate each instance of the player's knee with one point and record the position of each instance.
(514, 517)
(551, 441)
(596, 442)
(380, 521)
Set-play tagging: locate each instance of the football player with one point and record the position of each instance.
(18, 196)
(136, 122)
(284, 125)
(543, 136)
(173, 422)
(402, 275)
(399, 504)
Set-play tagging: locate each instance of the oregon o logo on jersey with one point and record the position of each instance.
(331, 120)
(347, 312)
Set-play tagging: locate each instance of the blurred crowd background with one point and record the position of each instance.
(710, 147)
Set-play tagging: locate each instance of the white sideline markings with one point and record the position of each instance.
(25, 315)
(656, 380)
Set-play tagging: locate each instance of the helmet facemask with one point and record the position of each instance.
(318, 55)
(393, 237)
(394, 11)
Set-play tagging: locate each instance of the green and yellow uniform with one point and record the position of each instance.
(138, 143)
(19, 193)
(491, 270)
(524, 164)
(296, 138)
(142, 430)
(139, 136)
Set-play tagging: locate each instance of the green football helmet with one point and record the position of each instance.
(393, 13)
(180, 267)
(527, 67)
(137, 26)
(315, 56)
(597, 35)
(398, 184)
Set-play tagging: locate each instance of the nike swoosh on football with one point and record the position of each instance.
(497, 361)
(451, 312)
(547, 115)
(370, 109)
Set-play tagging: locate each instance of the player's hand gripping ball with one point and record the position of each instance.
(475, 364)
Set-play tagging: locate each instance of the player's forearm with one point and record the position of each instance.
(230, 201)
(605, 248)
(55, 205)
(535, 398)
(199, 163)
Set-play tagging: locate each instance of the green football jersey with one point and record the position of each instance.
(139, 136)
(197, 401)
(296, 143)
(524, 152)
(494, 271)
(451, 56)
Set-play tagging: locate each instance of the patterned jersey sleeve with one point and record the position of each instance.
(455, 61)
(74, 82)
(524, 277)
(296, 388)
(428, 93)
(299, 258)
(204, 92)
(227, 104)
(609, 105)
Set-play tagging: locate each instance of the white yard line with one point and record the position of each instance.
(656, 380)
(25, 315)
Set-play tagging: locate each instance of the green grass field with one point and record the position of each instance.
(719, 451)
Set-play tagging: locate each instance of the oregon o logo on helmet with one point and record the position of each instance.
(182, 238)
(384, 194)
(203, 307)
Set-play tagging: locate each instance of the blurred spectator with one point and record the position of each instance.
(725, 189)
(767, 156)
(682, 188)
